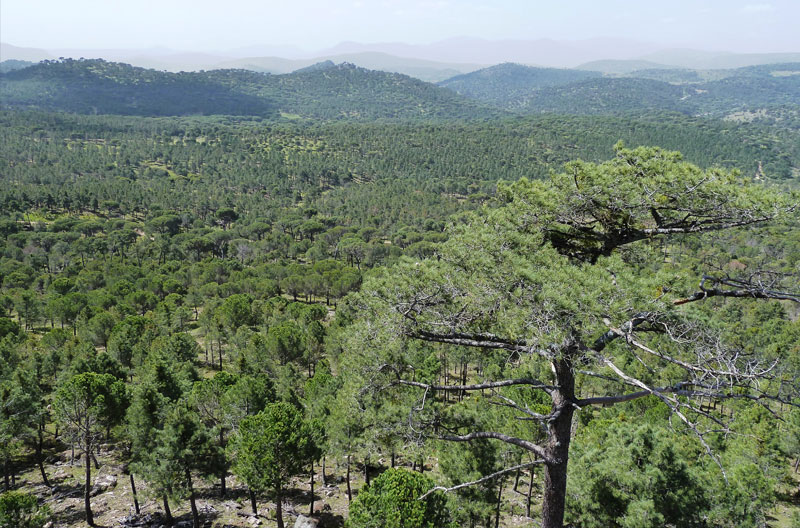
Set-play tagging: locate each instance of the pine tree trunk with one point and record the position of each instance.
(253, 504)
(192, 501)
(168, 513)
(557, 448)
(88, 487)
(499, 502)
(366, 470)
(349, 490)
(324, 476)
(224, 470)
(40, 455)
(311, 507)
(279, 507)
(6, 479)
(528, 498)
(135, 496)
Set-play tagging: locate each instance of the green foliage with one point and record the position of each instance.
(9, 328)
(135, 234)
(536, 284)
(235, 311)
(285, 342)
(467, 463)
(86, 403)
(273, 446)
(628, 475)
(392, 501)
(21, 510)
(182, 447)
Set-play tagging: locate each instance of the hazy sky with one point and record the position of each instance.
(204, 25)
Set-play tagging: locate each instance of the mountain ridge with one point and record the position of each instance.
(329, 93)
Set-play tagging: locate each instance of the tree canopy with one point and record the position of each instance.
(568, 283)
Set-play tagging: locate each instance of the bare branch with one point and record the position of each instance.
(621, 398)
(536, 384)
(524, 444)
(482, 479)
(674, 406)
(753, 288)
(476, 340)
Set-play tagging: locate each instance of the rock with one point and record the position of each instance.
(254, 521)
(330, 493)
(103, 484)
(304, 522)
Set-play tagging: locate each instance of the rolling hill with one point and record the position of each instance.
(510, 84)
(331, 92)
(708, 92)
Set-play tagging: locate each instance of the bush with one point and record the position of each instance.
(21, 510)
(392, 501)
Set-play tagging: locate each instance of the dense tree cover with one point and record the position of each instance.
(347, 92)
(342, 92)
(566, 287)
(510, 85)
(13, 64)
(171, 287)
(715, 92)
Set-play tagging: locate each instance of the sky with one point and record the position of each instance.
(216, 25)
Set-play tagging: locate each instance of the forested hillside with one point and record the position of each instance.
(693, 92)
(507, 84)
(234, 298)
(342, 92)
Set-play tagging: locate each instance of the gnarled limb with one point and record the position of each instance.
(753, 288)
(482, 479)
(519, 442)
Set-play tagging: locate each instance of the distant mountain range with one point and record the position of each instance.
(327, 91)
(526, 89)
(324, 92)
(421, 69)
(430, 62)
(510, 85)
(167, 60)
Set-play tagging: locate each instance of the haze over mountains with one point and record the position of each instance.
(328, 91)
(429, 62)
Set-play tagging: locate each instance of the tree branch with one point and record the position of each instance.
(524, 444)
(473, 340)
(621, 398)
(479, 386)
(744, 289)
(482, 479)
